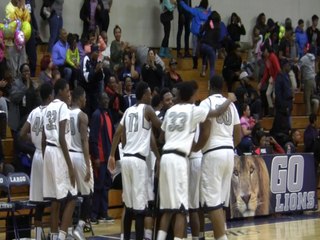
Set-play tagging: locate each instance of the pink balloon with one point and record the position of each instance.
(19, 39)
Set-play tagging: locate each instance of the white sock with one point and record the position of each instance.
(162, 235)
(38, 234)
(70, 229)
(81, 224)
(225, 226)
(176, 238)
(53, 236)
(147, 234)
(121, 236)
(223, 237)
(201, 234)
(195, 238)
(62, 235)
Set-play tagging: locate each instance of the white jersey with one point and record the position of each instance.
(138, 130)
(196, 138)
(56, 112)
(221, 127)
(180, 124)
(35, 119)
(75, 144)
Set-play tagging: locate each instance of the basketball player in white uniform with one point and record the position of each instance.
(79, 154)
(218, 157)
(179, 127)
(136, 125)
(34, 125)
(59, 180)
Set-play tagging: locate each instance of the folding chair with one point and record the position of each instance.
(8, 207)
(18, 180)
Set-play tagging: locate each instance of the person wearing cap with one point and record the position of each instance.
(172, 77)
(93, 78)
(283, 100)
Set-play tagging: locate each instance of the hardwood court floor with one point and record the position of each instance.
(292, 227)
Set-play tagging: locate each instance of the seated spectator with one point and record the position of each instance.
(172, 77)
(3, 62)
(142, 53)
(247, 123)
(128, 95)
(73, 60)
(59, 53)
(151, 72)
(105, 55)
(292, 145)
(311, 133)
(232, 66)
(94, 38)
(267, 145)
(129, 68)
(46, 66)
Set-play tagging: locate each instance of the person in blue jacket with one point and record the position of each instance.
(301, 38)
(200, 15)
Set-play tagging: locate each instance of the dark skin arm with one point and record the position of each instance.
(25, 130)
(83, 129)
(65, 151)
(115, 143)
(204, 135)
(222, 108)
(152, 117)
(236, 134)
(154, 149)
(43, 142)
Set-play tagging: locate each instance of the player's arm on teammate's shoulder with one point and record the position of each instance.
(64, 148)
(205, 128)
(151, 115)
(26, 128)
(236, 134)
(115, 143)
(83, 128)
(223, 107)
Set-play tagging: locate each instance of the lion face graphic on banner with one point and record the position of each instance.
(250, 191)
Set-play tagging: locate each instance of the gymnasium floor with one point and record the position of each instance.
(293, 227)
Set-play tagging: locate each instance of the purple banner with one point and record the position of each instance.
(263, 185)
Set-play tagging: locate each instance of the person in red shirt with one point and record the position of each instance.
(271, 70)
(266, 144)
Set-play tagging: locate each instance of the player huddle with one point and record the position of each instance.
(189, 180)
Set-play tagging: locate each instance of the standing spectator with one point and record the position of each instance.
(172, 77)
(283, 101)
(291, 146)
(271, 70)
(59, 54)
(308, 74)
(236, 28)
(116, 100)
(313, 34)
(91, 14)
(301, 38)
(166, 16)
(100, 139)
(3, 61)
(183, 22)
(311, 133)
(15, 10)
(116, 50)
(210, 42)
(261, 24)
(93, 79)
(128, 95)
(107, 4)
(55, 22)
(200, 15)
(152, 72)
(232, 66)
